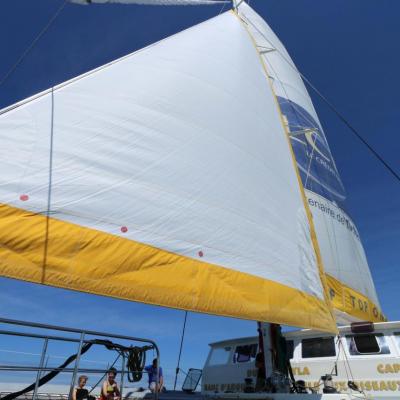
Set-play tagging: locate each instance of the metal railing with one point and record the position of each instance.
(40, 396)
(80, 341)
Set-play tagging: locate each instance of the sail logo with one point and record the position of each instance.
(314, 159)
(311, 134)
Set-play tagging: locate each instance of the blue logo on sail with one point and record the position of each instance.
(314, 159)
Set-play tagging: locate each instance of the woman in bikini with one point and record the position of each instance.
(109, 389)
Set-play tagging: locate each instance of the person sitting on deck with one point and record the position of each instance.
(109, 389)
(80, 393)
(152, 374)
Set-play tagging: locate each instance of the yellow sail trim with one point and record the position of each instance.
(332, 325)
(92, 261)
(353, 302)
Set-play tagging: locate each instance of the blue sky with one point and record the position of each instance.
(349, 50)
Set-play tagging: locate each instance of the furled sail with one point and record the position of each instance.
(164, 177)
(349, 279)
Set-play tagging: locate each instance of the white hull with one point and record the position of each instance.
(377, 375)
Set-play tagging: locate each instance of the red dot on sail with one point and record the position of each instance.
(124, 229)
(24, 197)
(201, 254)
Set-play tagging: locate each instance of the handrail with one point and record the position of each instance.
(80, 341)
(74, 330)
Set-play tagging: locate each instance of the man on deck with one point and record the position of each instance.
(152, 374)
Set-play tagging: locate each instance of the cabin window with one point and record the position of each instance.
(318, 347)
(245, 353)
(397, 336)
(367, 344)
(219, 356)
(289, 349)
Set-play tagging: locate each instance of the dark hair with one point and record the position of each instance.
(112, 370)
(82, 377)
(155, 361)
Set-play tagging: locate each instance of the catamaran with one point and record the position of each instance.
(192, 174)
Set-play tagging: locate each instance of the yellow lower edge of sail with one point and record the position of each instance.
(92, 261)
(352, 302)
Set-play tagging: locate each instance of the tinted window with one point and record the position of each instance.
(289, 349)
(219, 356)
(367, 344)
(318, 347)
(192, 380)
(245, 353)
(397, 337)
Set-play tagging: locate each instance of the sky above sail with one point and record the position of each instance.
(349, 56)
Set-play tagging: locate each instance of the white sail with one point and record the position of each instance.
(164, 177)
(351, 285)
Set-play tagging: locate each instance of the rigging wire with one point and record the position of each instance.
(347, 365)
(328, 102)
(33, 43)
(105, 373)
(330, 105)
(320, 383)
(351, 128)
(222, 8)
(180, 349)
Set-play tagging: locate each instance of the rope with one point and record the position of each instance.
(32, 45)
(332, 107)
(49, 192)
(222, 8)
(180, 349)
(136, 361)
(347, 362)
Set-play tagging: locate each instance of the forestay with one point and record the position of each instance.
(350, 283)
(164, 177)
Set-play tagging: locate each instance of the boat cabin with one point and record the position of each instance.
(369, 357)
